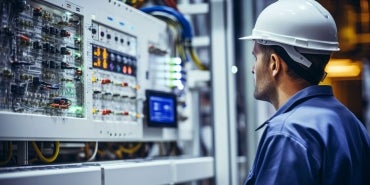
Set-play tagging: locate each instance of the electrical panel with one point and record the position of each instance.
(78, 70)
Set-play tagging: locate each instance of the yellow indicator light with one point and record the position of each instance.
(95, 111)
(105, 53)
(94, 79)
(97, 63)
(105, 64)
(97, 52)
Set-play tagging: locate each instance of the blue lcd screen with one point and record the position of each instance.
(161, 109)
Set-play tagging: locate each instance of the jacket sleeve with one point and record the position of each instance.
(282, 160)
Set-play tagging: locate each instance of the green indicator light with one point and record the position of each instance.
(175, 68)
(174, 61)
(70, 85)
(78, 39)
(76, 109)
(174, 75)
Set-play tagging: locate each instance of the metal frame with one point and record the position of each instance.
(223, 94)
(138, 172)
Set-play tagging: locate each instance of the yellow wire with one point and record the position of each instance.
(181, 51)
(87, 150)
(42, 157)
(196, 60)
(180, 48)
(10, 153)
(130, 150)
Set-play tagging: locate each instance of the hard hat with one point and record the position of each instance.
(299, 26)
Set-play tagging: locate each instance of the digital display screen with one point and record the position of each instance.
(161, 109)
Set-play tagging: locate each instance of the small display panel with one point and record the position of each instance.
(161, 109)
(112, 61)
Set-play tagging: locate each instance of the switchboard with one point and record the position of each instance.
(78, 70)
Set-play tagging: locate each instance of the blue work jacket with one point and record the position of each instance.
(312, 139)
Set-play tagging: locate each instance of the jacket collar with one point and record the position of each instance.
(300, 97)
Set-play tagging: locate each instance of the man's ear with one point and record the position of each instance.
(276, 65)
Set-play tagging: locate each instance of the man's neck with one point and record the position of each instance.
(286, 90)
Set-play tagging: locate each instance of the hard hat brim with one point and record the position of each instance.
(250, 37)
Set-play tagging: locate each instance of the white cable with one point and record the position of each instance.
(95, 152)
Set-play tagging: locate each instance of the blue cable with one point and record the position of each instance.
(187, 33)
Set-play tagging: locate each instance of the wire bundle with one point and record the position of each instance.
(177, 21)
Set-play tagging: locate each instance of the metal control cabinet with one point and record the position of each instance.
(78, 70)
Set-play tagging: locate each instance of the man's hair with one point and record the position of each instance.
(314, 74)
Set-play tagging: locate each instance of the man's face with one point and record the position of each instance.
(263, 81)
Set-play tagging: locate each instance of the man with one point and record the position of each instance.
(312, 138)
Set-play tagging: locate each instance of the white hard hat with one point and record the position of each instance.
(299, 26)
